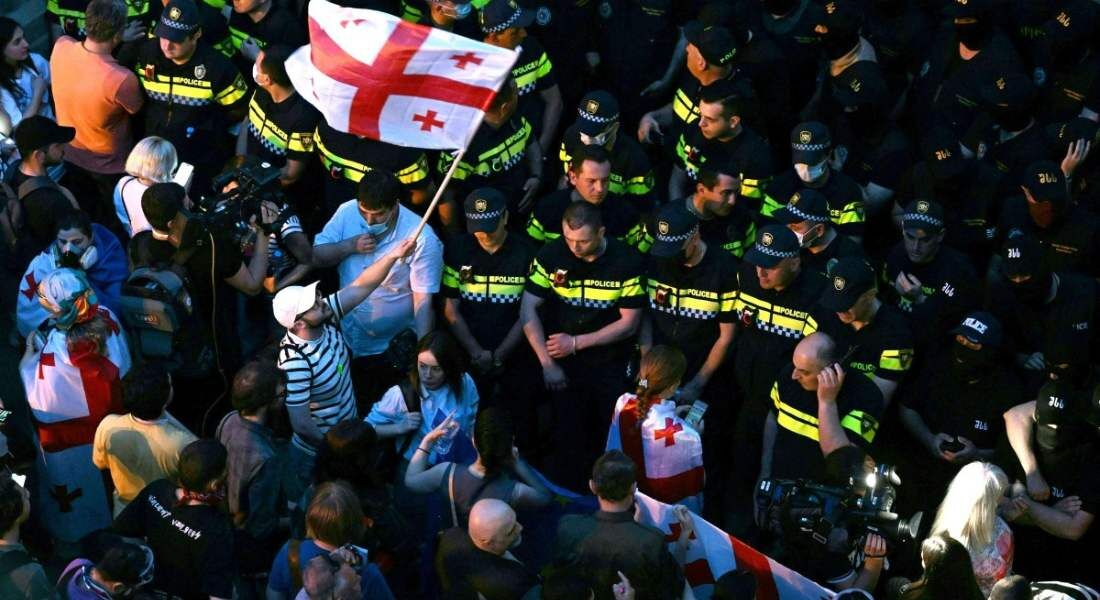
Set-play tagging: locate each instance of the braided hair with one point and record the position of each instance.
(661, 369)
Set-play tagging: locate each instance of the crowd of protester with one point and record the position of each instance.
(696, 250)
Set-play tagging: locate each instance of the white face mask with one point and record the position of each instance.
(256, 73)
(602, 138)
(808, 173)
(805, 240)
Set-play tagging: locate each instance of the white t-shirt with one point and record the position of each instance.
(128, 192)
(16, 107)
(389, 309)
(435, 405)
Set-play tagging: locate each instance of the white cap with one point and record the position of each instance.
(292, 301)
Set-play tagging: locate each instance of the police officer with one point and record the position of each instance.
(721, 136)
(581, 309)
(1042, 309)
(1070, 64)
(256, 24)
(1008, 138)
(502, 154)
(215, 29)
(810, 152)
(710, 54)
(931, 284)
(775, 298)
(192, 91)
(504, 24)
(953, 409)
(449, 15)
(280, 123)
(724, 221)
(589, 176)
(1069, 234)
(874, 335)
(635, 36)
(598, 124)
(691, 289)
(807, 215)
(793, 25)
(484, 272)
(900, 33)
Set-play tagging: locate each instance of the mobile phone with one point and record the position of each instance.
(951, 445)
(695, 415)
(183, 175)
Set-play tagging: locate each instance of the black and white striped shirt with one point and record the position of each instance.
(319, 375)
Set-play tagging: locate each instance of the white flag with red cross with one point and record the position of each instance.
(711, 553)
(377, 76)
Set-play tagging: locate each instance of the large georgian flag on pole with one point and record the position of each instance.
(712, 553)
(670, 451)
(377, 76)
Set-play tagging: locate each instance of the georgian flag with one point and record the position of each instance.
(712, 553)
(69, 393)
(669, 449)
(377, 76)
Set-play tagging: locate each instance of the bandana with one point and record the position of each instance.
(68, 297)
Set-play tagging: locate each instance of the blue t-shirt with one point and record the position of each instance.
(279, 580)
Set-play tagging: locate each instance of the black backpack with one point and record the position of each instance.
(163, 323)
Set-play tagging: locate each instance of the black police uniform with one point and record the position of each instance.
(842, 246)
(620, 218)
(496, 158)
(1072, 88)
(900, 33)
(583, 297)
(69, 14)
(281, 130)
(734, 233)
(685, 107)
(489, 288)
(796, 37)
(880, 158)
(970, 201)
(1071, 244)
(277, 27)
(687, 304)
(418, 11)
(636, 35)
(533, 73)
(1012, 156)
(191, 104)
(631, 171)
(346, 157)
(844, 196)
(950, 288)
(1071, 315)
(797, 450)
(746, 148)
(882, 348)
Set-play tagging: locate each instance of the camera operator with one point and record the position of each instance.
(832, 562)
(212, 262)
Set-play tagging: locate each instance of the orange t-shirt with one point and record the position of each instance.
(96, 95)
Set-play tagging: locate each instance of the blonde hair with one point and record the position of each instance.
(968, 512)
(153, 158)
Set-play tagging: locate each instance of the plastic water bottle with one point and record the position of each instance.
(443, 445)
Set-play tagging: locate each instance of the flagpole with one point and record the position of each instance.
(447, 179)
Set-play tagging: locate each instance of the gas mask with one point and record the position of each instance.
(455, 10)
(810, 173)
(71, 258)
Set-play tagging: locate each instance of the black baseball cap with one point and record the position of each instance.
(842, 16)
(805, 205)
(1009, 90)
(1058, 404)
(670, 228)
(961, 9)
(499, 15)
(161, 202)
(980, 327)
(849, 278)
(923, 214)
(1022, 257)
(597, 111)
(1061, 135)
(716, 44)
(773, 243)
(942, 154)
(484, 208)
(861, 83)
(810, 142)
(178, 20)
(34, 133)
(1046, 183)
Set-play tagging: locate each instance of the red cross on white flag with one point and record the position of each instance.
(374, 75)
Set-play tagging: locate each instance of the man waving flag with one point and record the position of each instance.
(377, 76)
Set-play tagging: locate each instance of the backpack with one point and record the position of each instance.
(163, 324)
(9, 562)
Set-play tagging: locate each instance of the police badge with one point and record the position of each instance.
(200, 71)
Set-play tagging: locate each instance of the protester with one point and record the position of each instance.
(153, 160)
(480, 562)
(22, 577)
(947, 572)
(24, 78)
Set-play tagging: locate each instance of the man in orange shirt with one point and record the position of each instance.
(96, 95)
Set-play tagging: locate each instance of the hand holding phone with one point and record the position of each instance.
(184, 174)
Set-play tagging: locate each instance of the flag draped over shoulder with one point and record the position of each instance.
(669, 449)
(377, 76)
(712, 553)
(69, 392)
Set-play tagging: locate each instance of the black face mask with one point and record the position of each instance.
(971, 364)
(1034, 291)
(837, 45)
(974, 35)
(1073, 375)
(69, 260)
(779, 7)
(1011, 119)
(864, 121)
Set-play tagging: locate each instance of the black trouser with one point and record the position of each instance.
(95, 194)
(516, 386)
(581, 415)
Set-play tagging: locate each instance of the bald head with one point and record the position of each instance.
(815, 352)
(493, 526)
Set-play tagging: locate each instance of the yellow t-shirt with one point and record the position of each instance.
(139, 452)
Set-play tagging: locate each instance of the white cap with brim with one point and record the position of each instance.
(292, 301)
